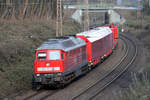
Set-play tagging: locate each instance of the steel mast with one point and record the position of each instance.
(86, 16)
(59, 19)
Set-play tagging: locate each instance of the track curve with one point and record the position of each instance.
(92, 91)
(98, 86)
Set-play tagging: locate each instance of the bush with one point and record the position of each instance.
(18, 42)
(139, 90)
(147, 27)
(146, 7)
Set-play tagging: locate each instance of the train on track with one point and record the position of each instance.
(60, 60)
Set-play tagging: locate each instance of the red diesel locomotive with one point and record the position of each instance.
(61, 60)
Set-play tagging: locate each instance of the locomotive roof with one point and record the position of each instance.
(63, 43)
(96, 34)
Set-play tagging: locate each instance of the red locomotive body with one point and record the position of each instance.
(58, 60)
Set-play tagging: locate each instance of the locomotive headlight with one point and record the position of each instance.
(48, 64)
(37, 75)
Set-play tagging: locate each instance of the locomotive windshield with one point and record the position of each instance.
(41, 55)
(54, 55)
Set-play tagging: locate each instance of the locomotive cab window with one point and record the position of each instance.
(54, 55)
(62, 56)
(41, 55)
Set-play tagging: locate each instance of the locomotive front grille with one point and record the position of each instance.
(49, 78)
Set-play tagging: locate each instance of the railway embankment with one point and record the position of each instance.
(134, 85)
(18, 42)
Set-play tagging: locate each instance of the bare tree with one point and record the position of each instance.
(22, 9)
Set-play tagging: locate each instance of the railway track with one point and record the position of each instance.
(40, 95)
(94, 90)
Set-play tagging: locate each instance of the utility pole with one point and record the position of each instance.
(86, 16)
(138, 12)
(80, 12)
(59, 19)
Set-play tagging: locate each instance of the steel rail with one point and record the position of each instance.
(126, 52)
(108, 75)
(52, 93)
(33, 95)
(48, 93)
(122, 72)
(122, 58)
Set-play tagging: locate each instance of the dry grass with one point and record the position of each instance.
(139, 90)
(22, 9)
(18, 42)
(140, 28)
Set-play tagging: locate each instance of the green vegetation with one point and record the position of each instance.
(139, 90)
(139, 26)
(18, 42)
(24, 25)
(146, 5)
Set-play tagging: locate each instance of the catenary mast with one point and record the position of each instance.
(59, 19)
